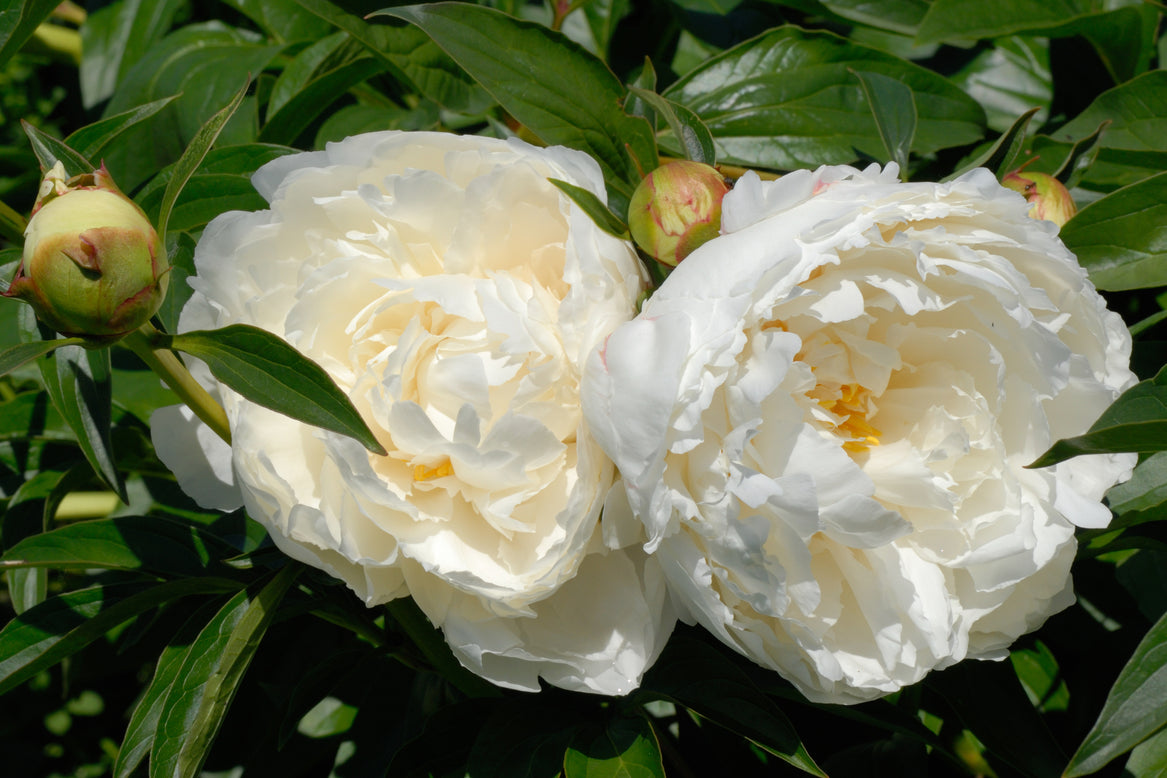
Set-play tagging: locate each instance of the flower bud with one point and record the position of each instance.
(676, 208)
(90, 266)
(1048, 197)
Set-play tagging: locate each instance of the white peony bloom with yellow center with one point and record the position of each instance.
(454, 294)
(823, 419)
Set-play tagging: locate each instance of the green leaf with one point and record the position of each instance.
(698, 676)
(523, 738)
(328, 718)
(92, 138)
(634, 106)
(902, 16)
(139, 737)
(1134, 709)
(18, 21)
(28, 508)
(626, 748)
(318, 682)
(283, 20)
(266, 370)
(1136, 421)
(12, 226)
(1010, 78)
(27, 588)
(1144, 576)
(956, 20)
(978, 692)
(1121, 239)
(83, 394)
(204, 65)
(116, 36)
(602, 17)
(1146, 489)
(1038, 671)
(329, 52)
(193, 156)
(30, 511)
(787, 99)
(1099, 168)
(222, 183)
(719, 7)
(78, 382)
(206, 682)
(1002, 156)
(1132, 148)
(894, 109)
(1122, 37)
(1081, 157)
(21, 354)
(695, 139)
(575, 101)
(444, 743)
(593, 207)
(157, 544)
(413, 57)
(1149, 759)
(63, 625)
(49, 150)
(315, 98)
(1136, 110)
(180, 248)
(356, 119)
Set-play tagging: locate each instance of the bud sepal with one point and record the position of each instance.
(91, 266)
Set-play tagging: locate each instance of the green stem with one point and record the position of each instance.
(170, 369)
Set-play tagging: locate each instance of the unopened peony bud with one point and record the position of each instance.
(90, 266)
(676, 208)
(1048, 197)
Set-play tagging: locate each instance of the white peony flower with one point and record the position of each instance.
(454, 294)
(823, 418)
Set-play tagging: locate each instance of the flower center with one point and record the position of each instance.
(850, 405)
(423, 473)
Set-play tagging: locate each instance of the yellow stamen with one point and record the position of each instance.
(423, 473)
(852, 406)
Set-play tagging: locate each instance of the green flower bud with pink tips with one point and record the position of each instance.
(91, 265)
(1048, 197)
(675, 209)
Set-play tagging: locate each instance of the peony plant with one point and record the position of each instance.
(582, 389)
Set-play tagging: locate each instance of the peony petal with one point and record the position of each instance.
(198, 458)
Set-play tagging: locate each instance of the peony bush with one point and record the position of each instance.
(471, 389)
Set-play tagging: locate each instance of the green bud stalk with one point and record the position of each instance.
(675, 209)
(91, 266)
